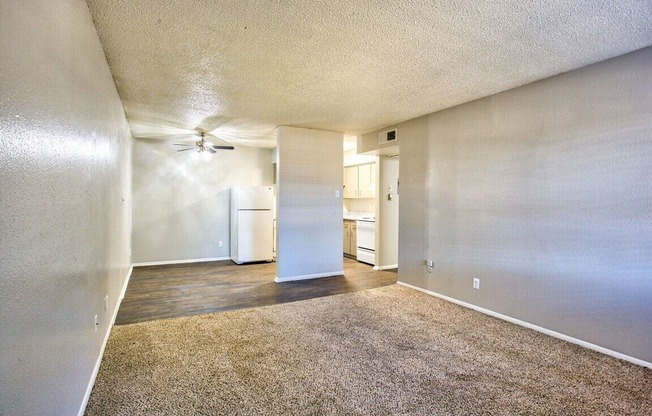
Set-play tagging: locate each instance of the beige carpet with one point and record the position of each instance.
(386, 351)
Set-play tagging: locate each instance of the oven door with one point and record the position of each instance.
(366, 241)
(366, 256)
(366, 234)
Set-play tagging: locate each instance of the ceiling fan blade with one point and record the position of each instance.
(211, 150)
(183, 150)
(183, 144)
(224, 147)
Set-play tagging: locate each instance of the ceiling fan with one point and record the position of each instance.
(202, 145)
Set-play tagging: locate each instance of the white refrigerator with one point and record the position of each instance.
(252, 224)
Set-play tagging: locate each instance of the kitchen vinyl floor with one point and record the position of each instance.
(168, 291)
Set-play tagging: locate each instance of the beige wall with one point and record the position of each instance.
(66, 205)
(543, 193)
(368, 143)
(181, 208)
(309, 214)
(387, 213)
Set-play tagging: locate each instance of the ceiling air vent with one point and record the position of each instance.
(388, 136)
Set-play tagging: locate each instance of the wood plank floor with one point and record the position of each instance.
(157, 292)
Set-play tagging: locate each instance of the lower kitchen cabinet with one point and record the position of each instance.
(350, 238)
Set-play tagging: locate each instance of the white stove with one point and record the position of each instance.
(366, 239)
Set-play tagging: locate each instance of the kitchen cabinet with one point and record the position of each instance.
(366, 181)
(360, 181)
(350, 182)
(350, 245)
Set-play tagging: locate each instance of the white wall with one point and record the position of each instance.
(181, 206)
(543, 192)
(309, 215)
(65, 197)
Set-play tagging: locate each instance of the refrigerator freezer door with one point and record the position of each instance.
(255, 236)
(253, 197)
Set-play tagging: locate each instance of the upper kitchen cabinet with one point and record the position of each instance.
(366, 181)
(350, 182)
(360, 181)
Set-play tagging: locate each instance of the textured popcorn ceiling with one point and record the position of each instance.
(240, 68)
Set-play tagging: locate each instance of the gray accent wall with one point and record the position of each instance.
(309, 214)
(181, 208)
(544, 193)
(65, 197)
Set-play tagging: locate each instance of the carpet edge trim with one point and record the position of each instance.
(105, 341)
(528, 325)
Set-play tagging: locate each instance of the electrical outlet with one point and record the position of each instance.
(106, 302)
(476, 284)
(220, 244)
(97, 323)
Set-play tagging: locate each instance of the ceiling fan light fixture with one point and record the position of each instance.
(203, 146)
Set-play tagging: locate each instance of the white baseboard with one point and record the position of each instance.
(389, 266)
(307, 276)
(122, 294)
(546, 331)
(159, 263)
(96, 369)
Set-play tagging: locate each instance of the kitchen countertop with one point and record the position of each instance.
(357, 216)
